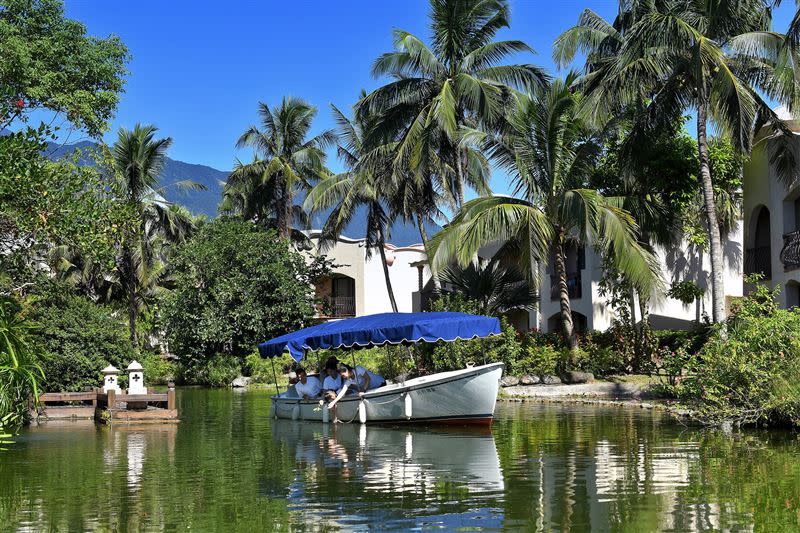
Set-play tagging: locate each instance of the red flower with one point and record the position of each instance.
(20, 103)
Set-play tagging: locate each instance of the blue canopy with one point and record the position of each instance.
(384, 328)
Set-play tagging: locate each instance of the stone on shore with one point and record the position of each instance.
(241, 382)
(509, 381)
(529, 380)
(573, 377)
(551, 380)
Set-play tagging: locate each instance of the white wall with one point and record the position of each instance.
(404, 278)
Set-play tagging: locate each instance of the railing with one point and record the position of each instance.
(758, 260)
(339, 306)
(112, 400)
(790, 253)
(574, 288)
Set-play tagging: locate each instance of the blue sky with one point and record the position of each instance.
(200, 68)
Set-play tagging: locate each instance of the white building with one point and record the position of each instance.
(772, 221)
(358, 287)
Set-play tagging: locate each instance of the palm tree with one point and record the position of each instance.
(497, 288)
(286, 163)
(349, 191)
(138, 159)
(550, 153)
(709, 57)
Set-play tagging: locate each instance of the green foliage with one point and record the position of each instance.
(50, 63)
(76, 338)
(751, 374)
(234, 285)
(157, 369)
(45, 204)
(217, 371)
(686, 291)
(20, 375)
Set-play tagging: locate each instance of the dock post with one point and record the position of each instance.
(112, 399)
(171, 396)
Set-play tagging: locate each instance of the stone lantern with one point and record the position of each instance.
(136, 378)
(110, 379)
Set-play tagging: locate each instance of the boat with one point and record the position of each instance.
(461, 397)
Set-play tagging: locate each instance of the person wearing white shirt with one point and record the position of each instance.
(307, 387)
(360, 379)
(332, 383)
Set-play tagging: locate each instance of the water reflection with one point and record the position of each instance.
(228, 467)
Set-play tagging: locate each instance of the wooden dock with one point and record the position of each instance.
(109, 407)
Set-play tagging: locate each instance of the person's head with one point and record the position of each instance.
(346, 371)
(331, 367)
(331, 362)
(301, 374)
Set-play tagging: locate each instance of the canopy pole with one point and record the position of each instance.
(275, 376)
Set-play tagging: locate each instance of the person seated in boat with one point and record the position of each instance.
(306, 386)
(333, 381)
(359, 379)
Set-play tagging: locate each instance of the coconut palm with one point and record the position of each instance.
(550, 153)
(709, 57)
(368, 187)
(138, 160)
(286, 163)
(439, 93)
(497, 288)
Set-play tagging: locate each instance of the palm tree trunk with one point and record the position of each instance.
(386, 276)
(282, 216)
(714, 237)
(423, 233)
(129, 284)
(563, 290)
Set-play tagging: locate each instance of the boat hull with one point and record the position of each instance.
(460, 397)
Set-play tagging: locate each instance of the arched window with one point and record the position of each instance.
(758, 256)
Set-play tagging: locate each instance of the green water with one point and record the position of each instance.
(228, 467)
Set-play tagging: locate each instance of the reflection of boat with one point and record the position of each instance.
(459, 396)
(397, 460)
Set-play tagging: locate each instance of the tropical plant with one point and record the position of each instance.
(286, 163)
(549, 152)
(345, 193)
(139, 158)
(235, 284)
(20, 375)
(496, 288)
(712, 57)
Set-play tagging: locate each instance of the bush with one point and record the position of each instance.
(218, 371)
(20, 376)
(235, 285)
(157, 369)
(536, 359)
(76, 338)
(753, 375)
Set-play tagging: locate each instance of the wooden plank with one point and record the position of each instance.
(67, 397)
(150, 414)
(142, 398)
(62, 413)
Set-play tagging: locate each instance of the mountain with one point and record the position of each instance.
(205, 202)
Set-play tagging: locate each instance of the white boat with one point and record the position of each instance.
(465, 396)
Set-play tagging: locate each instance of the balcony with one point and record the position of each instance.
(758, 260)
(790, 253)
(338, 307)
(573, 287)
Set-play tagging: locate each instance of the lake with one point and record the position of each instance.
(549, 467)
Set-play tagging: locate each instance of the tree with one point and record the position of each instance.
(550, 153)
(496, 288)
(139, 159)
(235, 284)
(352, 190)
(49, 62)
(286, 163)
(706, 56)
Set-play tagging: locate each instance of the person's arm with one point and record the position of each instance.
(339, 396)
(366, 379)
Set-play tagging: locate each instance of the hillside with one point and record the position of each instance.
(205, 202)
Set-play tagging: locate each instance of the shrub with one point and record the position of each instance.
(157, 369)
(751, 374)
(235, 285)
(218, 371)
(20, 375)
(76, 338)
(537, 359)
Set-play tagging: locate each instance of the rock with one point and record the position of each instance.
(509, 381)
(529, 380)
(240, 382)
(551, 380)
(574, 377)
